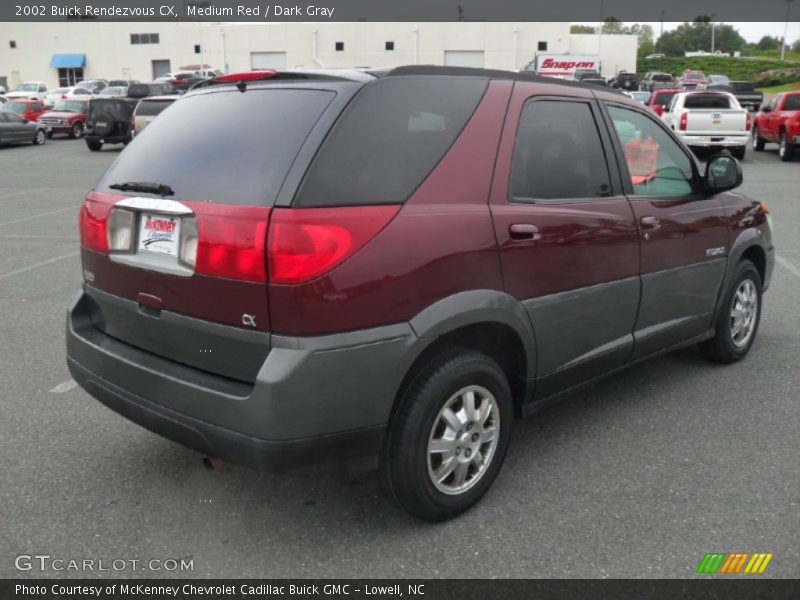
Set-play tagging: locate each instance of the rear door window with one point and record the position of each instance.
(389, 139)
(226, 147)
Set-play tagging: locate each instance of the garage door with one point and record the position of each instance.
(463, 58)
(268, 60)
(160, 68)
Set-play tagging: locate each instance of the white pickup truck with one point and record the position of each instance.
(710, 120)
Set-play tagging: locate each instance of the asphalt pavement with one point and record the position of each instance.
(638, 476)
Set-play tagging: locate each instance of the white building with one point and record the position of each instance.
(60, 53)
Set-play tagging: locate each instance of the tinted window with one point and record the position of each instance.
(16, 107)
(390, 137)
(792, 103)
(150, 108)
(743, 86)
(657, 164)
(662, 77)
(558, 153)
(664, 99)
(227, 147)
(706, 101)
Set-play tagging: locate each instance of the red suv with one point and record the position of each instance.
(30, 110)
(779, 121)
(398, 264)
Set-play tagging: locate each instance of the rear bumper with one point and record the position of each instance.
(314, 400)
(709, 141)
(109, 139)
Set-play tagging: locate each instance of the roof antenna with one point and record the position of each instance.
(241, 86)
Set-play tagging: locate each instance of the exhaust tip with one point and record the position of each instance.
(213, 464)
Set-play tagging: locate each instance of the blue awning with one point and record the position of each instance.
(67, 61)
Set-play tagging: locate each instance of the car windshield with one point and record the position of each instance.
(27, 87)
(70, 106)
(664, 99)
(114, 91)
(16, 107)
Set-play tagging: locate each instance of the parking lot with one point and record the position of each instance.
(638, 476)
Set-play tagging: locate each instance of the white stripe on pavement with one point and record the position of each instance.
(52, 212)
(63, 388)
(788, 266)
(39, 264)
(12, 194)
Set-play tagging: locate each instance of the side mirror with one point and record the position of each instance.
(723, 173)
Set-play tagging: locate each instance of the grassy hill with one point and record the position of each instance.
(763, 71)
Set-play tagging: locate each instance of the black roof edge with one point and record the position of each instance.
(492, 74)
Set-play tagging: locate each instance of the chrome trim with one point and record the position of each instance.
(161, 205)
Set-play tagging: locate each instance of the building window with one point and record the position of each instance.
(197, 48)
(12, 44)
(390, 45)
(542, 47)
(340, 46)
(144, 38)
(69, 77)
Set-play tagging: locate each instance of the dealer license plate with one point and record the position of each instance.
(159, 234)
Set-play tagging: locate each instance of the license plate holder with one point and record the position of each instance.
(159, 234)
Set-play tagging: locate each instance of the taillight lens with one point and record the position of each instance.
(684, 118)
(188, 242)
(93, 221)
(120, 230)
(749, 125)
(305, 243)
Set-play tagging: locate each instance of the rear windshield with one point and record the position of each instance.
(707, 101)
(743, 86)
(664, 99)
(150, 108)
(227, 147)
(661, 77)
(695, 76)
(792, 103)
(391, 136)
(627, 76)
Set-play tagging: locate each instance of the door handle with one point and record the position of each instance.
(524, 231)
(650, 223)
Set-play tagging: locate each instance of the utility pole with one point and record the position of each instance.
(660, 33)
(785, 30)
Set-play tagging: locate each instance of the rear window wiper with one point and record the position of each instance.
(149, 187)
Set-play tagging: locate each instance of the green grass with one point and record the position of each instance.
(748, 69)
(789, 87)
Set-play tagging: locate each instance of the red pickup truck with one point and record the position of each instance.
(779, 121)
(67, 116)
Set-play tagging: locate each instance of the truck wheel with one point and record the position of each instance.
(737, 323)
(784, 149)
(449, 435)
(76, 131)
(739, 152)
(758, 142)
(94, 146)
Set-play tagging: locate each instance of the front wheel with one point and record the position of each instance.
(737, 323)
(40, 137)
(449, 435)
(76, 131)
(758, 142)
(784, 149)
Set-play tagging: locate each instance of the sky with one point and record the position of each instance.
(751, 31)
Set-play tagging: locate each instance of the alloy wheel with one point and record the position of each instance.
(744, 312)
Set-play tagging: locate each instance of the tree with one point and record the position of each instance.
(796, 46)
(612, 25)
(691, 37)
(581, 29)
(768, 43)
(644, 33)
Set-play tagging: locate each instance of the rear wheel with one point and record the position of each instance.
(739, 152)
(40, 137)
(94, 146)
(737, 323)
(449, 435)
(76, 131)
(785, 151)
(758, 142)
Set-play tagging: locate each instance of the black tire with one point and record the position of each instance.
(49, 135)
(722, 348)
(40, 137)
(405, 469)
(785, 151)
(77, 131)
(94, 146)
(758, 141)
(739, 152)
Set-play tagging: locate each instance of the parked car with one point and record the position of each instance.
(582, 74)
(148, 109)
(711, 120)
(655, 80)
(27, 109)
(114, 91)
(661, 99)
(67, 93)
(625, 81)
(110, 121)
(718, 80)
(16, 130)
(31, 90)
(67, 116)
(747, 94)
(281, 242)
(655, 55)
(779, 122)
(95, 86)
(691, 80)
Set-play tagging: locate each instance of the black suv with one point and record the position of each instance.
(625, 81)
(109, 122)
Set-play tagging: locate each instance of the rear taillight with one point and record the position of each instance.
(227, 241)
(749, 124)
(305, 243)
(120, 232)
(93, 221)
(682, 124)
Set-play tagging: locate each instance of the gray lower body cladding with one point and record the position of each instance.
(333, 393)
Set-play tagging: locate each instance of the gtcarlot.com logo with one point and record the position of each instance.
(46, 562)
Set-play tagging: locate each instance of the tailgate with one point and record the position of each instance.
(716, 122)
